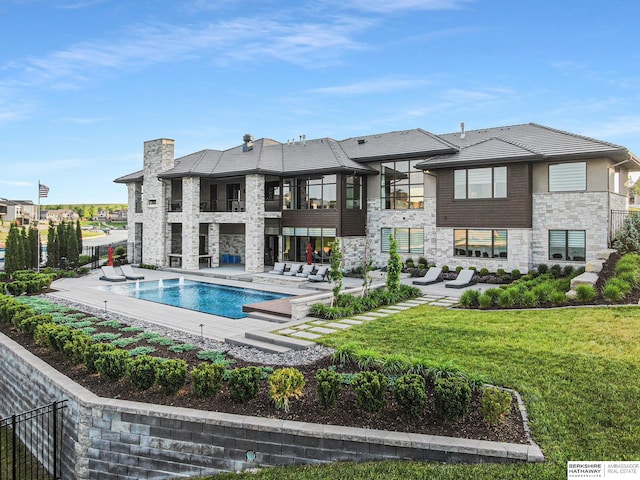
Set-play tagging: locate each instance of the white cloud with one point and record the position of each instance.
(15, 183)
(379, 85)
(386, 6)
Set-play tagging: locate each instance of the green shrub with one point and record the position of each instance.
(206, 379)
(630, 277)
(612, 292)
(75, 348)
(52, 335)
(367, 358)
(29, 324)
(143, 371)
(182, 347)
(244, 383)
(370, 389)
(346, 353)
(558, 298)
(409, 392)
(215, 356)
(285, 384)
(172, 375)
(628, 239)
(568, 270)
(134, 352)
(445, 269)
(124, 342)
(515, 273)
(485, 301)
(620, 284)
(585, 293)
(20, 316)
(470, 298)
(452, 397)
(543, 268)
(501, 272)
(112, 364)
(484, 271)
(494, 404)
(93, 352)
(528, 299)
(555, 271)
(329, 387)
(394, 364)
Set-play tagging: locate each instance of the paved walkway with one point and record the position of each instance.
(92, 291)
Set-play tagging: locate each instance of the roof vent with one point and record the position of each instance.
(303, 140)
(462, 134)
(361, 141)
(248, 142)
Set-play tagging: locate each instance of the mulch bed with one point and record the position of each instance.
(306, 409)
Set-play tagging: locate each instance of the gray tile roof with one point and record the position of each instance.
(268, 157)
(405, 143)
(526, 142)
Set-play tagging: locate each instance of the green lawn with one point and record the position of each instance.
(578, 371)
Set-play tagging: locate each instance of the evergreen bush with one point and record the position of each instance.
(329, 385)
(409, 392)
(112, 364)
(206, 379)
(172, 375)
(370, 389)
(143, 371)
(285, 384)
(494, 404)
(452, 397)
(93, 352)
(244, 383)
(585, 293)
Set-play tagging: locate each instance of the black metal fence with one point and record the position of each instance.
(617, 221)
(30, 443)
(100, 252)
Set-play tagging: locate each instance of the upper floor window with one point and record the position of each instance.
(354, 192)
(490, 182)
(401, 185)
(568, 177)
(309, 193)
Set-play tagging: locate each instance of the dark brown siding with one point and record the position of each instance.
(511, 212)
(353, 223)
(311, 218)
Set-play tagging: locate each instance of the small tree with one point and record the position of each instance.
(34, 247)
(394, 266)
(367, 264)
(335, 273)
(79, 235)
(52, 246)
(14, 257)
(628, 239)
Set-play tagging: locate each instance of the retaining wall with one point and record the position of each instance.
(118, 439)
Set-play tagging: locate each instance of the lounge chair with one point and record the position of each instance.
(432, 276)
(306, 271)
(129, 274)
(320, 276)
(109, 274)
(294, 270)
(464, 279)
(278, 268)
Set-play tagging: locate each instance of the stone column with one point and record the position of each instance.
(190, 223)
(214, 244)
(254, 226)
(158, 158)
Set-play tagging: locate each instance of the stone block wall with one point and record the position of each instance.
(118, 439)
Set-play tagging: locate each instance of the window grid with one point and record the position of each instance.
(410, 240)
(475, 183)
(569, 245)
(480, 243)
(401, 185)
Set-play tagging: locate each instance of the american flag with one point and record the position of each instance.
(43, 190)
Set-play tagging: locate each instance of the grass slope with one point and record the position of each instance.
(578, 371)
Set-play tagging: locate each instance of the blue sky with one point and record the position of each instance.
(83, 83)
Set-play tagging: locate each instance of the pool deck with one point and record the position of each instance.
(89, 290)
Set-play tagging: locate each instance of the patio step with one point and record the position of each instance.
(242, 341)
(292, 343)
(269, 342)
(268, 317)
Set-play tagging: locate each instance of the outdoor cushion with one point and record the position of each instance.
(464, 279)
(109, 274)
(295, 269)
(128, 272)
(278, 268)
(306, 271)
(432, 276)
(320, 276)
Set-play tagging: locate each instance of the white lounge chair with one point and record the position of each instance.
(464, 279)
(109, 274)
(306, 271)
(128, 272)
(294, 270)
(278, 268)
(320, 276)
(432, 276)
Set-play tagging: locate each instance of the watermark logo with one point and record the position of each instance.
(609, 470)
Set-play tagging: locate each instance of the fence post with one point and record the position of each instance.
(14, 453)
(55, 440)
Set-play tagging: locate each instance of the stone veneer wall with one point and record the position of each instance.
(118, 439)
(233, 244)
(518, 250)
(353, 251)
(587, 211)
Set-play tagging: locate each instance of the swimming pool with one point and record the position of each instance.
(199, 296)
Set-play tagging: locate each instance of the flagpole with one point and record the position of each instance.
(38, 228)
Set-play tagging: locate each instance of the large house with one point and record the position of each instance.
(22, 212)
(507, 197)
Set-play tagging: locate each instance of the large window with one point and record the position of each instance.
(296, 240)
(480, 243)
(410, 240)
(490, 182)
(310, 193)
(401, 185)
(568, 177)
(567, 245)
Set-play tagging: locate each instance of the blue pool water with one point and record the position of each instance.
(202, 297)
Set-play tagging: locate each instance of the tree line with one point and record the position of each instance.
(24, 251)
(89, 210)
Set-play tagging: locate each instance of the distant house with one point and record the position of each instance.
(118, 216)
(3, 210)
(61, 215)
(22, 212)
(508, 197)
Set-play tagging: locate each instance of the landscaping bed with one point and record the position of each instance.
(306, 409)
